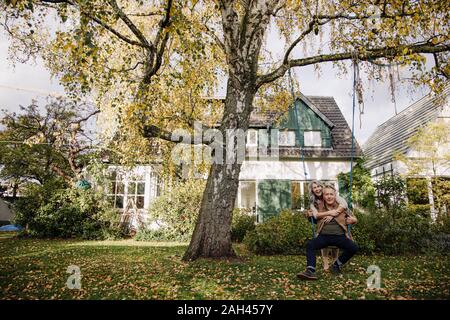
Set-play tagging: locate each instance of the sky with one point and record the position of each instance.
(21, 83)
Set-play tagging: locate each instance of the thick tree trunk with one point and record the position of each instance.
(212, 236)
(243, 37)
(212, 233)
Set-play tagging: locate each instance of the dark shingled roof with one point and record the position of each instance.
(340, 133)
(391, 136)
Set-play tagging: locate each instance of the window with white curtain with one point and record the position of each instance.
(313, 139)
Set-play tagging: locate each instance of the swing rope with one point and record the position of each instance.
(296, 115)
(355, 77)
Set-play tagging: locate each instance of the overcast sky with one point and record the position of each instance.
(24, 82)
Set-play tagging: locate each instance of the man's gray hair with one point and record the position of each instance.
(330, 186)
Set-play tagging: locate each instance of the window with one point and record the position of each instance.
(299, 195)
(116, 191)
(286, 138)
(136, 191)
(247, 197)
(313, 139)
(252, 138)
(156, 185)
(122, 190)
(296, 195)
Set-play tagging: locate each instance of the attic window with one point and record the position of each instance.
(286, 139)
(313, 139)
(252, 138)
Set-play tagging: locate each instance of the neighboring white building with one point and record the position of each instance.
(6, 214)
(390, 139)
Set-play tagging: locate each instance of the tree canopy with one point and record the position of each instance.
(157, 62)
(38, 145)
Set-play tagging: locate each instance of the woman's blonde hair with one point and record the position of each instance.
(312, 197)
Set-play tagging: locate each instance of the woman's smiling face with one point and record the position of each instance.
(317, 190)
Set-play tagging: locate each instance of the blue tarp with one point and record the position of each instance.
(10, 227)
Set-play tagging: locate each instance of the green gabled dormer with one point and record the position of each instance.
(309, 125)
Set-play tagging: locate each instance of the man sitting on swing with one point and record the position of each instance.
(332, 231)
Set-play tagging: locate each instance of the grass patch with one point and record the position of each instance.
(36, 269)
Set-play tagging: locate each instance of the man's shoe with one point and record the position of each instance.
(335, 269)
(307, 275)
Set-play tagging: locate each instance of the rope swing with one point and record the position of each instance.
(302, 142)
(356, 81)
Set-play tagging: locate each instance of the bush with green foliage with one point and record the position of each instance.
(391, 193)
(286, 233)
(363, 189)
(176, 212)
(377, 231)
(410, 232)
(153, 235)
(46, 211)
(243, 222)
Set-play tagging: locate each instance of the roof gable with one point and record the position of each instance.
(316, 110)
(327, 109)
(391, 136)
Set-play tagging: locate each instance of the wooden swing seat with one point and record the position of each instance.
(329, 256)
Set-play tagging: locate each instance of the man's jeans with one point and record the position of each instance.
(348, 247)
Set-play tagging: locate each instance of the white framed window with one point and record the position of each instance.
(313, 139)
(116, 192)
(252, 137)
(286, 138)
(136, 190)
(125, 187)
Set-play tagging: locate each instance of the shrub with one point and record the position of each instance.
(362, 232)
(379, 231)
(154, 235)
(440, 240)
(405, 232)
(443, 224)
(66, 213)
(243, 222)
(419, 209)
(285, 233)
(34, 196)
(176, 210)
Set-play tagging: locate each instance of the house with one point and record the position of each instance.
(390, 140)
(6, 214)
(268, 183)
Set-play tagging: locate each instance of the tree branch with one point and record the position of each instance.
(143, 40)
(310, 28)
(98, 21)
(78, 121)
(368, 54)
(153, 64)
(438, 66)
(316, 21)
(213, 35)
(152, 131)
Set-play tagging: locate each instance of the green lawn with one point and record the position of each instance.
(36, 269)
